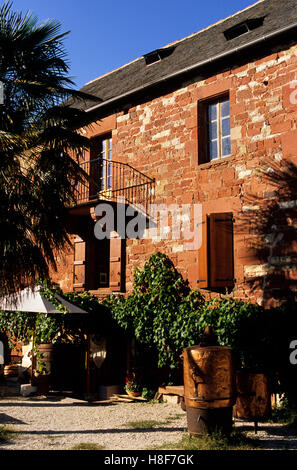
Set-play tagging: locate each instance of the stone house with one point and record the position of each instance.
(205, 130)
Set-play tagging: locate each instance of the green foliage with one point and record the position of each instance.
(145, 424)
(233, 322)
(166, 316)
(7, 434)
(148, 393)
(61, 327)
(19, 326)
(236, 440)
(161, 311)
(48, 328)
(98, 318)
(87, 446)
(132, 387)
(283, 414)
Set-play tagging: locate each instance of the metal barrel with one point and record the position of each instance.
(253, 396)
(209, 377)
(209, 388)
(208, 420)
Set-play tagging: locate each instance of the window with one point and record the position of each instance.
(152, 57)
(158, 55)
(98, 263)
(215, 256)
(98, 260)
(214, 139)
(244, 27)
(218, 129)
(105, 153)
(100, 165)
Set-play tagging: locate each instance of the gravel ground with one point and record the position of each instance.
(56, 423)
(61, 423)
(269, 436)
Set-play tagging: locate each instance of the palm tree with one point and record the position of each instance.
(39, 138)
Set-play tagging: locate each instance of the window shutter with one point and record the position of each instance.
(202, 133)
(115, 262)
(202, 256)
(79, 264)
(221, 250)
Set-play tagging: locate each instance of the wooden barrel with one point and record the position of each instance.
(11, 371)
(45, 357)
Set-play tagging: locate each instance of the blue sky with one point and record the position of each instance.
(107, 34)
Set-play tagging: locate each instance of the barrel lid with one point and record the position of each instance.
(205, 348)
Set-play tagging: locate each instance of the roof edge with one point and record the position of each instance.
(193, 67)
(177, 41)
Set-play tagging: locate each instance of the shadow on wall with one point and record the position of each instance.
(268, 224)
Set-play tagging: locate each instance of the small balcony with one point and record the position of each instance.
(107, 180)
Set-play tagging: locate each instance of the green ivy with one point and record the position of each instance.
(18, 325)
(166, 316)
(61, 327)
(161, 312)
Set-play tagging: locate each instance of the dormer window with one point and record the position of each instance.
(157, 55)
(243, 28)
(152, 57)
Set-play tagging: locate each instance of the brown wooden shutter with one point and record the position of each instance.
(202, 133)
(79, 264)
(221, 267)
(115, 262)
(202, 256)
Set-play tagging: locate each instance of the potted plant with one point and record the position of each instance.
(132, 387)
(40, 377)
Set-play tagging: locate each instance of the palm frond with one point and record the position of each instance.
(39, 138)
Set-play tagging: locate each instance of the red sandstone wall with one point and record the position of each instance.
(64, 274)
(160, 139)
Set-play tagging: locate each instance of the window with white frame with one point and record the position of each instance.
(218, 128)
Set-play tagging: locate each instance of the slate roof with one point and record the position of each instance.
(200, 46)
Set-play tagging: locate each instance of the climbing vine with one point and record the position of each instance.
(161, 311)
(166, 316)
(61, 327)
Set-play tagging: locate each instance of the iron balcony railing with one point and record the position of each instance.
(111, 180)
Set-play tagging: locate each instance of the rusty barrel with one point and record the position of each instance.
(209, 388)
(253, 397)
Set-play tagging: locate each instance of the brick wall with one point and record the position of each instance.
(160, 138)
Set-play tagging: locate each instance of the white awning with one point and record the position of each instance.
(33, 300)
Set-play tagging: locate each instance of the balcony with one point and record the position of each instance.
(107, 180)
